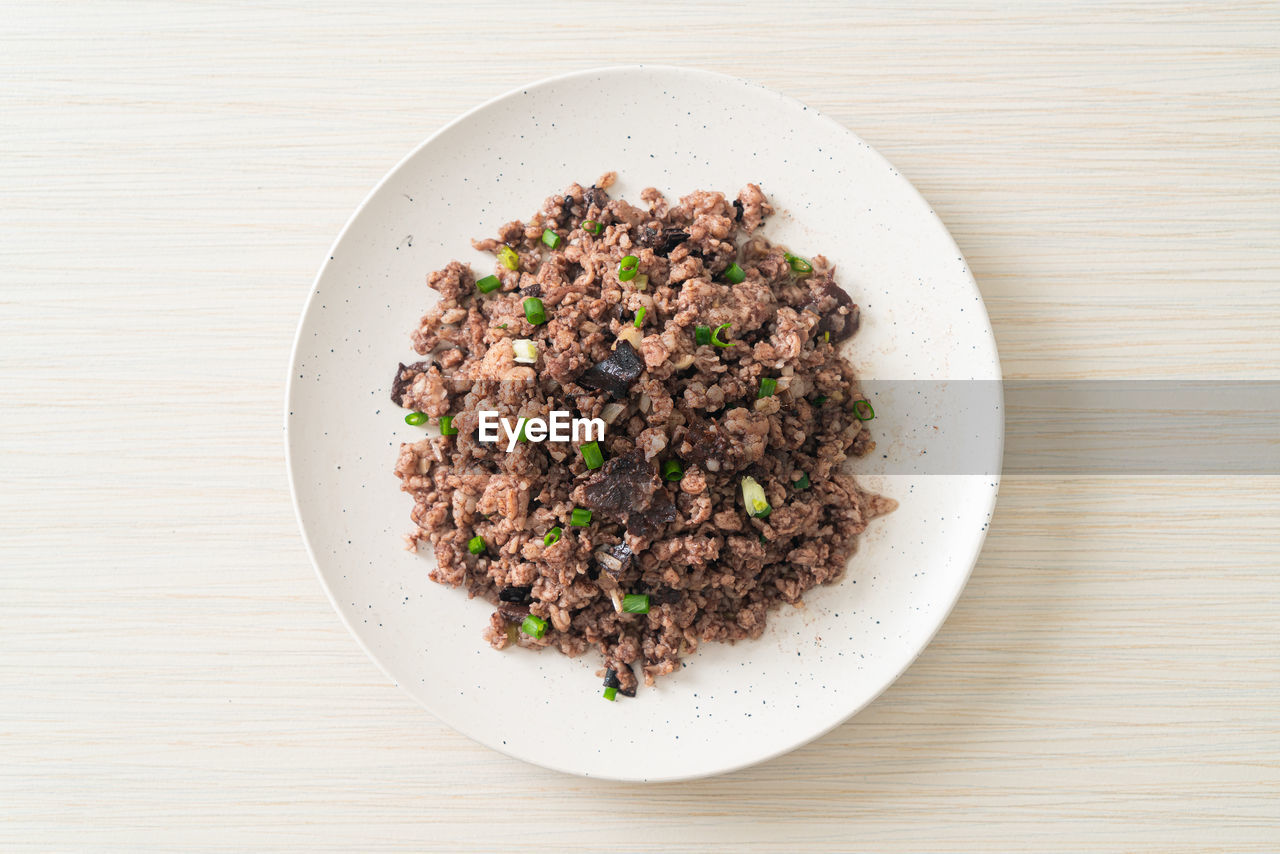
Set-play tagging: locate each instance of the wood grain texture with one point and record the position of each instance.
(171, 675)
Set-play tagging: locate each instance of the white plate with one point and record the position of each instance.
(679, 130)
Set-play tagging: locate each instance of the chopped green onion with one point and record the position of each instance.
(635, 603)
(526, 352)
(502, 326)
(640, 312)
(415, 418)
(552, 537)
(820, 399)
(826, 336)
(641, 282)
(591, 455)
(716, 340)
(628, 267)
(753, 498)
(734, 273)
(488, 284)
(803, 482)
(534, 312)
(550, 238)
(798, 264)
(863, 414)
(768, 385)
(476, 545)
(702, 335)
(672, 470)
(509, 258)
(580, 518)
(590, 226)
(535, 626)
(446, 426)
(611, 694)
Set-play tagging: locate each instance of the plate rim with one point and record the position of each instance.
(497, 745)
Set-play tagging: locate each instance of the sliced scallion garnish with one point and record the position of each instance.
(592, 455)
(552, 537)
(534, 312)
(863, 412)
(702, 335)
(488, 284)
(611, 694)
(534, 626)
(798, 264)
(753, 498)
(672, 470)
(628, 267)
(415, 418)
(580, 517)
(716, 340)
(526, 351)
(551, 239)
(734, 273)
(768, 385)
(476, 545)
(446, 426)
(509, 258)
(803, 482)
(635, 603)
(590, 226)
(640, 312)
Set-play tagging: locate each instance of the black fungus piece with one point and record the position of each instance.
(662, 242)
(629, 692)
(647, 523)
(593, 195)
(616, 373)
(533, 289)
(405, 375)
(623, 485)
(614, 560)
(840, 315)
(513, 612)
(611, 678)
(737, 203)
(514, 594)
(665, 596)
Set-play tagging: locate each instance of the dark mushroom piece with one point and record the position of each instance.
(616, 373)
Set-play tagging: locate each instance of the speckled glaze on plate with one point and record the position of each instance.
(679, 130)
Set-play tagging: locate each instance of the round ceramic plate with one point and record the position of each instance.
(678, 130)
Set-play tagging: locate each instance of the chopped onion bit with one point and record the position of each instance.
(488, 284)
(526, 351)
(611, 411)
(446, 426)
(635, 603)
(580, 517)
(734, 273)
(535, 626)
(641, 282)
(415, 418)
(550, 238)
(591, 455)
(552, 537)
(640, 313)
(534, 312)
(753, 498)
(476, 545)
(716, 340)
(672, 470)
(509, 258)
(768, 385)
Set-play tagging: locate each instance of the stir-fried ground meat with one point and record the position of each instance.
(711, 565)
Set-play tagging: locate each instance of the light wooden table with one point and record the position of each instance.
(171, 675)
